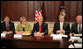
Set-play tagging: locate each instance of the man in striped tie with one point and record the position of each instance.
(7, 26)
(77, 26)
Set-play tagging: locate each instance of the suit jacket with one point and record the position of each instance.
(74, 28)
(26, 28)
(11, 27)
(44, 28)
(66, 27)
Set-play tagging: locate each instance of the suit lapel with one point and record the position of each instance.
(38, 25)
(77, 27)
(10, 25)
(63, 25)
(5, 25)
(59, 24)
(42, 26)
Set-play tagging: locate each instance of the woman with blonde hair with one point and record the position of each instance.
(23, 26)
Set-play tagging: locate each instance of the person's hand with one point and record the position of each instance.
(10, 32)
(62, 30)
(38, 34)
(5, 32)
(19, 32)
(58, 32)
(71, 34)
(26, 32)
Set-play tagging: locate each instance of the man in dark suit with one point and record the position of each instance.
(61, 26)
(77, 26)
(7, 26)
(40, 28)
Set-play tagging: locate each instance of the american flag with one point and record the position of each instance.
(36, 16)
(38, 11)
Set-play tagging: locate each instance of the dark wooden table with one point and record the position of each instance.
(35, 42)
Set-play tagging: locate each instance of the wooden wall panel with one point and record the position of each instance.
(31, 13)
(2, 10)
(79, 7)
(46, 11)
(13, 12)
(73, 10)
(67, 8)
(16, 9)
(57, 7)
(21, 9)
(52, 11)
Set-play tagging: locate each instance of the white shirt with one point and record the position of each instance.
(61, 26)
(78, 27)
(7, 24)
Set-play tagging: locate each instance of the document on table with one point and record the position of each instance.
(78, 45)
(57, 37)
(80, 40)
(77, 34)
(26, 33)
(3, 35)
(59, 34)
(18, 36)
(64, 35)
(74, 38)
(71, 46)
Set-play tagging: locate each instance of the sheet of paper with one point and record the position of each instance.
(19, 36)
(74, 38)
(63, 35)
(80, 40)
(71, 46)
(78, 45)
(3, 35)
(26, 33)
(57, 37)
(59, 34)
(52, 35)
(77, 34)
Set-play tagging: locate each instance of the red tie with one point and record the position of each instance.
(40, 28)
(7, 28)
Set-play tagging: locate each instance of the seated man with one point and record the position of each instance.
(61, 27)
(77, 26)
(40, 28)
(7, 26)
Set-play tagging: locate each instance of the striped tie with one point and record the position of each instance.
(7, 28)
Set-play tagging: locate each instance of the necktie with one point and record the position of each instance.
(7, 28)
(61, 25)
(40, 28)
(79, 28)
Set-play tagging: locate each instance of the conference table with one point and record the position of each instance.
(35, 42)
